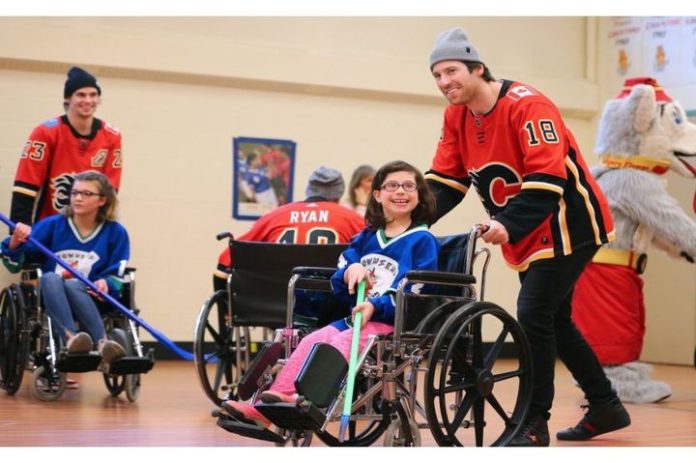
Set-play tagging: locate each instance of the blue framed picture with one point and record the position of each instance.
(263, 174)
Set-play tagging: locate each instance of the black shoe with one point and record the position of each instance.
(534, 433)
(601, 417)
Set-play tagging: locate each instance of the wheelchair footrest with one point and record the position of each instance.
(304, 416)
(229, 424)
(131, 365)
(78, 363)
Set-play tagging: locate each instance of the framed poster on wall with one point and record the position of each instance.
(262, 175)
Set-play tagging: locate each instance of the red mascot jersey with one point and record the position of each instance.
(53, 154)
(613, 324)
(323, 222)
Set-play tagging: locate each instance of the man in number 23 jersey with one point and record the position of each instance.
(62, 147)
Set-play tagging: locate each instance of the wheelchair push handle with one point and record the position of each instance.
(222, 235)
(479, 229)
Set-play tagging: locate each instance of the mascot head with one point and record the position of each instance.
(644, 128)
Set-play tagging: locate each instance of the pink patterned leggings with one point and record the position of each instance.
(341, 340)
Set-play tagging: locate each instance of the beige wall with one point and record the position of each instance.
(347, 90)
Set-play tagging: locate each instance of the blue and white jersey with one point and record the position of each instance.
(103, 254)
(389, 259)
(258, 179)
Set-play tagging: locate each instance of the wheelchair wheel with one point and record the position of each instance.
(402, 432)
(116, 384)
(132, 387)
(47, 385)
(213, 349)
(364, 432)
(468, 387)
(14, 343)
(295, 438)
(360, 433)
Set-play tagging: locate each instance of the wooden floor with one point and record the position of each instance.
(172, 411)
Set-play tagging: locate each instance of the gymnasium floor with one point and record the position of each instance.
(172, 411)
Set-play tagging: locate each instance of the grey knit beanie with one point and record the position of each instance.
(326, 183)
(453, 45)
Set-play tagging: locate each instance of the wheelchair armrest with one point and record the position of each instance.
(314, 272)
(313, 278)
(447, 278)
(30, 272)
(30, 266)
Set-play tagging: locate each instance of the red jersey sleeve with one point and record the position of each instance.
(448, 159)
(114, 160)
(35, 160)
(448, 167)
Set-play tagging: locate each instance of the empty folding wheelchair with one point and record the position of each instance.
(434, 372)
(28, 342)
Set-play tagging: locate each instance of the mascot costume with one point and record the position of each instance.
(642, 134)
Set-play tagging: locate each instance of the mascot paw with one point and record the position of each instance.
(632, 383)
(631, 371)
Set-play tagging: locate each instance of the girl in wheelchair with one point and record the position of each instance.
(87, 236)
(396, 240)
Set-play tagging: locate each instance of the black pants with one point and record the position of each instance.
(543, 310)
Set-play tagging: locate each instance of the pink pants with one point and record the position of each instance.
(341, 340)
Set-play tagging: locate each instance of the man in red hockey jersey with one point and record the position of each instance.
(63, 146)
(546, 211)
(319, 219)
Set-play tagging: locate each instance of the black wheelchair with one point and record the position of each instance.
(28, 342)
(434, 372)
(254, 303)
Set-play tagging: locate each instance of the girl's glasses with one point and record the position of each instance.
(393, 186)
(84, 194)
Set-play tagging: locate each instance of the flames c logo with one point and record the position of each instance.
(495, 184)
(61, 191)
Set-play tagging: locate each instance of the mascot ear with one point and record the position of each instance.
(643, 96)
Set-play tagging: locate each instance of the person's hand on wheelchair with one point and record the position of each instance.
(494, 232)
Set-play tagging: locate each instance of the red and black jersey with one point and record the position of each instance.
(308, 222)
(52, 155)
(528, 171)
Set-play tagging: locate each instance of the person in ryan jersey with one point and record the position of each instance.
(396, 241)
(546, 212)
(87, 236)
(319, 219)
(61, 147)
